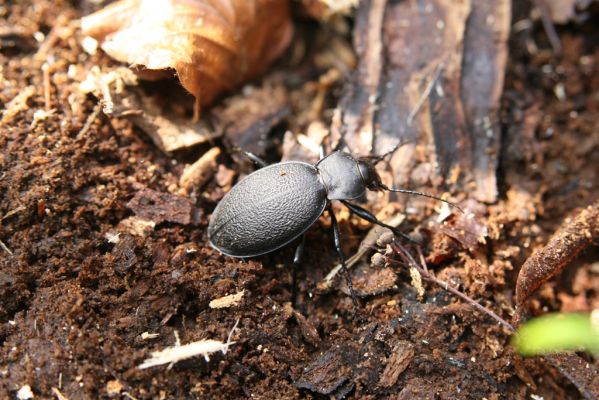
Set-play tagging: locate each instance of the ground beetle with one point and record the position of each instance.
(278, 203)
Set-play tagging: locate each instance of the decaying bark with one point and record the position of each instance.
(424, 68)
(483, 69)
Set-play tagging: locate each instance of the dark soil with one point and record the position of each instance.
(74, 304)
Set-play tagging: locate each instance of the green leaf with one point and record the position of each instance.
(556, 333)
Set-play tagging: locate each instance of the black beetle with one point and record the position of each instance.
(278, 203)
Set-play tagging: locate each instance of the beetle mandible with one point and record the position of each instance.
(277, 204)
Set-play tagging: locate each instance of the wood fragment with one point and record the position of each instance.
(114, 387)
(564, 11)
(58, 394)
(25, 393)
(149, 336)
(196, 175)
(483, 71)
(565, 244)
(13, 212)
(5, 248)
(135, 226)
(325, 374)
(417, 282)
(401, 357)
(360, 99)
(17, 104)
(309, 332)
(168, 131)
(227, 301)
(419, 100)
(159, 207)
(247, 117)
(172, 355)
(129, 396)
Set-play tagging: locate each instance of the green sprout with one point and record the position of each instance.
(559, 332)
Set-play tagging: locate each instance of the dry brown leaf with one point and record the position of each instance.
(576, 234)
(213, 45)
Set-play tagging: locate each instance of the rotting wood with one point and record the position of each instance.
(483, 71)
(360, 99)
(197, 174)
(309, 332)
(159, 207)
(419, 38)
(400, 359)
(423, 95)
(248, 117)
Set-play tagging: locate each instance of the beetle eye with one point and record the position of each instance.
(369, 175)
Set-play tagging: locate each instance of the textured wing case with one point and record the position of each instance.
(267, 210)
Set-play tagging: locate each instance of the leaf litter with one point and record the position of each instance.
(64, 291)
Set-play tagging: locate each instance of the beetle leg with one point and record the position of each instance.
(368, 216)
(256, 159)
(321, 151)
(297, 262)
(337, 240)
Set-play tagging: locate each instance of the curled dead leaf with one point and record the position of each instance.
(213, 45)
(576, 234)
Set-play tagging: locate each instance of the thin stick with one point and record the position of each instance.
(46, 79)
(5, 248)
(426, 93)
(556, 44)
(423, 269)
(88, 122)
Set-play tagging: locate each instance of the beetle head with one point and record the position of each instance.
(371, 178)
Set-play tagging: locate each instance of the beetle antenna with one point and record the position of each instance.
(430, 196)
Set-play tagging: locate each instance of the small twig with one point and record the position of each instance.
(556, 44)
(426, 93)
(58, 394)
(90, 119)
(46, 80)
(5, 248)
(12, 212)
(403, 252)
